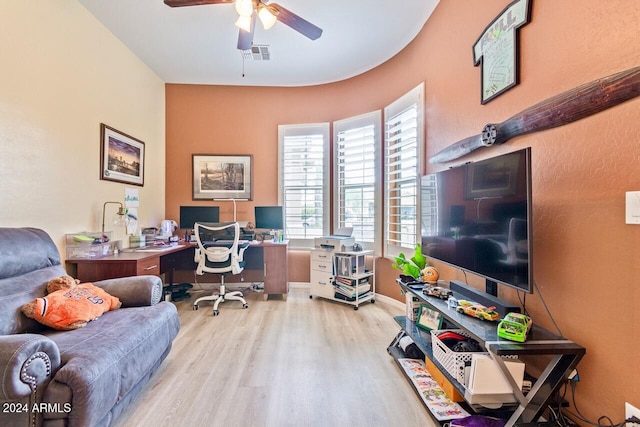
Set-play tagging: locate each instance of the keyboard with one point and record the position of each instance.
(230, 242)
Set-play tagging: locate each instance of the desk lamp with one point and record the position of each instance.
(121, 219)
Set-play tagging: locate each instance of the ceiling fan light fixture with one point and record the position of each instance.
(244, 8)
(244, 23)
(267, 16)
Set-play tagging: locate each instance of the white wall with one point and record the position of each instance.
(61, 75)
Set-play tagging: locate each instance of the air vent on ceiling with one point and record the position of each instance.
(257, 53)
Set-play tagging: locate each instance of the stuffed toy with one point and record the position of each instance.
(70, 304)
(62, 282)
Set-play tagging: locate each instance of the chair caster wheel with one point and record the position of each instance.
(216, 312)
(245, 305)
(195, 307)
(355, 308)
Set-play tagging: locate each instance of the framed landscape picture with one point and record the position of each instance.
(121, 157)
(222, 177)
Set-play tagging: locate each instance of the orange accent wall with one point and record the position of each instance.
(587, 262)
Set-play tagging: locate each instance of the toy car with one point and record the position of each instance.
(463, 303)
(515, 327)
(479, 311)
(437, 291)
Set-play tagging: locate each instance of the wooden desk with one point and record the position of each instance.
(266, 262)
(276, 267)
(133, 263)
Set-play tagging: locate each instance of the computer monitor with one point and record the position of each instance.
(269, 217)
(189, 215)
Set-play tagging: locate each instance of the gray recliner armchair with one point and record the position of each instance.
(85, 377)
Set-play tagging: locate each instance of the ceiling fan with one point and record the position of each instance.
(268, 13)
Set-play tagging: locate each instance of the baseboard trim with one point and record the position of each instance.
(209, 287)
(390, 301)
(379, 297)
(300, 285)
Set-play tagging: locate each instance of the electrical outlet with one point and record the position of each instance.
(631, 411)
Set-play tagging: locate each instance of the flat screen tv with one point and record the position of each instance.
(478, 217)
(189, 215)
(269, 217)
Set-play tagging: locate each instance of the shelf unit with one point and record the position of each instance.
(564, 355)
(327, 268)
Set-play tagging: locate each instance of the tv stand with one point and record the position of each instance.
(563, 355)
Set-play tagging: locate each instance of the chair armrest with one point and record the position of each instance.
(241, 250)
(134, 291)
(27, 361)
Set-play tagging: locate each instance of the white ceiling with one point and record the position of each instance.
(197, 44)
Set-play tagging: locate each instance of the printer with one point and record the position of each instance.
(339, 242)
(335, 243)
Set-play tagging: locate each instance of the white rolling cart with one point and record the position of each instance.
(342, 276)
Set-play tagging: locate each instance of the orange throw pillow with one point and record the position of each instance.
(72, 308)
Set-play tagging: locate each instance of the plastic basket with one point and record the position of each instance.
(88, 244)
(452, 361)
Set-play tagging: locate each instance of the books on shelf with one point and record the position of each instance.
(351, 282)
(343, 297)
(347, 288)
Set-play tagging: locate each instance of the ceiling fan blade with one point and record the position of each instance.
(180, 3)
(299, 24)
(567, 107)
(245, 38)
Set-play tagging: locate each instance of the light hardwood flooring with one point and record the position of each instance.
(300, 362)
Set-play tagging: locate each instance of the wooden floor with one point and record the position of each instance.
(300, 362)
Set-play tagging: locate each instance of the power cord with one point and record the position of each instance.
(577, 414)
(544, 304)
(523, 302)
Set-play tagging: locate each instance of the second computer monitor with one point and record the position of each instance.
(269, 217)
(189, 215)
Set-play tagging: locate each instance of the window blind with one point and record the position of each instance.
(356, 165)
(304, 181)
(403, 138)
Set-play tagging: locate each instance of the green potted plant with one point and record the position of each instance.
(412, 268)
(416, 268)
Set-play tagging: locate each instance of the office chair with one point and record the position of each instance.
(220, 256)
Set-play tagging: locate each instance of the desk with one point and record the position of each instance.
(132, 263)
(266, 262)
(275, 266)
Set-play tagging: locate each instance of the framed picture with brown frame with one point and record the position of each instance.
(121, 157)
(428, 319)
(222, 177)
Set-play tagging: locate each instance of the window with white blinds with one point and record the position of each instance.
(403, 142)
(357, 177)
(304, 181)
(429, 199)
